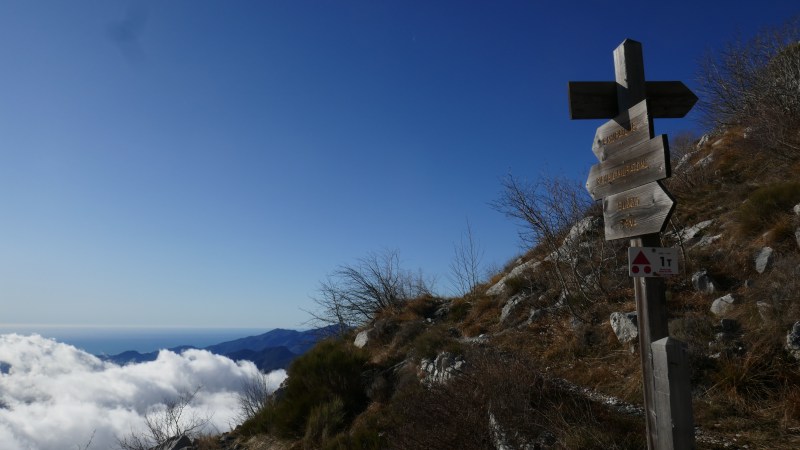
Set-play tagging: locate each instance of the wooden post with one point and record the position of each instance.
(636, 206)
(672, 394)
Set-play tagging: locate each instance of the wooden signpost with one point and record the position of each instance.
(636, 206)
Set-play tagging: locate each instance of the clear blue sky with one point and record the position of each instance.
(206, 163)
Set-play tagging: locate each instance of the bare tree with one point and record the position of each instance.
(254, 396)
(465, 268)
(353, 294)
(550, 211)
(163, 422)
(756, 84)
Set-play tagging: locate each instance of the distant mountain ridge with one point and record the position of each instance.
(273, 350)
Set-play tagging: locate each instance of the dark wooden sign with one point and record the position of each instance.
(630, 167)
(638, 211)
(628, 128)
(598, 99)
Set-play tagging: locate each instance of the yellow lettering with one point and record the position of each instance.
(618, 134)
(627, 203)
(628, 223)
(624, 171)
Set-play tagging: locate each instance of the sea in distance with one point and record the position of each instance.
(114, 340)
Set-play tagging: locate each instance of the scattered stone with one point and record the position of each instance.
(708, 240)
(625, 326)
(689, 233)
(703, 162)
(763, 259)
(723, 305)
(702, 282)
(718, 142)
(362, 338)
(476, 340)
(444, 367)
(793, 341)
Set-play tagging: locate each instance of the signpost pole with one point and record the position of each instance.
(636, 206)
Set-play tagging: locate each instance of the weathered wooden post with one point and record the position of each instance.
(636, 206)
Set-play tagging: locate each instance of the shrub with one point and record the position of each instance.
(324, 421)
(765, 207)
(331, 369)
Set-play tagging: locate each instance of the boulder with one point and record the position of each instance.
(763, 259)
(625, 326)
(796, 209)
(723, 305)
(362, 338)
(702, 282)
(793, 341)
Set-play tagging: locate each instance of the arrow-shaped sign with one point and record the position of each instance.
(638, 211)
(625, 130)
(598, 99)
(630, 168)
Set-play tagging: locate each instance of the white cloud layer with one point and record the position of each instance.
(55, 396)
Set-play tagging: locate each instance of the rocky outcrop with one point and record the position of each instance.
(500, 287)
(625, 326)
(441, 369)
(512, 306)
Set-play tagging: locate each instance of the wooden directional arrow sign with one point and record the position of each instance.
(598, 99)
(627, 129)
(630, 168)
(638, 211)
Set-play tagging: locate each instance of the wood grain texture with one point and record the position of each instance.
(627, 129)
(629, 168)
(598, 99)
(642, 210)
(672, 395)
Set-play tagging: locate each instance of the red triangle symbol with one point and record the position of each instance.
(641, 259)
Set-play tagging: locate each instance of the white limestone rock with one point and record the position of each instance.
(763, 259)
(723, 305)
(362, 338)
(625, 326)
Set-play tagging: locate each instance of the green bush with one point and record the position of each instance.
(765, 207)
(324, 422)
(331, 369)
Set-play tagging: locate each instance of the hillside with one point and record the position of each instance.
(530, 359)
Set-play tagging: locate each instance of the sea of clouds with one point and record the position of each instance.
(55, 396)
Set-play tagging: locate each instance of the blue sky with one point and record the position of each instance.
(207, 163)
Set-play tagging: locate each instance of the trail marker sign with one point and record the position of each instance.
(632, 161)
(652, 261)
